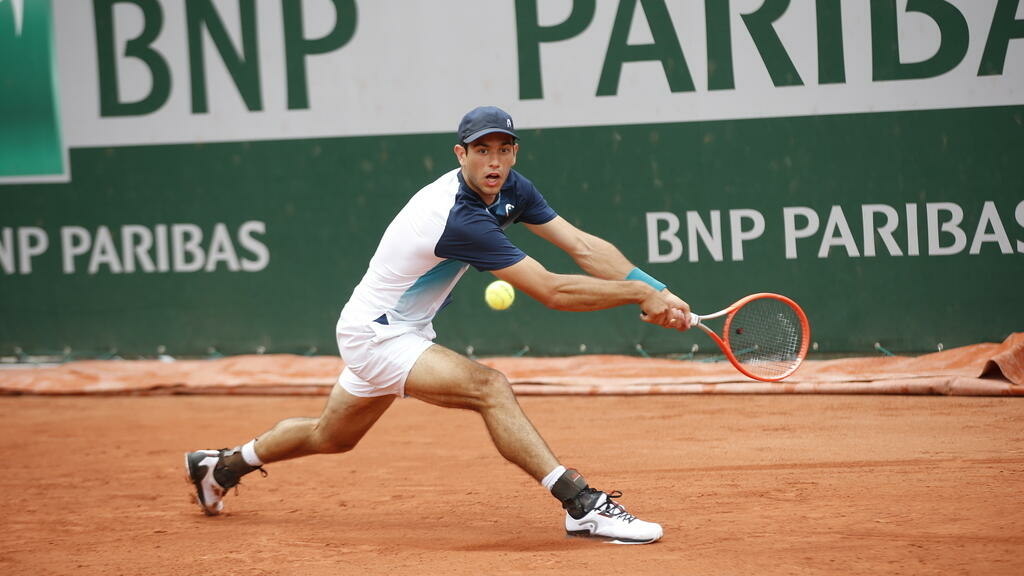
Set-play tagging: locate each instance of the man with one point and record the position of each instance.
(385, 333)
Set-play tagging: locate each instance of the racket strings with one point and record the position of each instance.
(765, 336)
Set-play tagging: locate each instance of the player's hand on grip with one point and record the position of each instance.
(666, 309)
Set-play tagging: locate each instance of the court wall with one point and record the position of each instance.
(222, 170)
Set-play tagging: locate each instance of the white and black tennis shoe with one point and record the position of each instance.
(603, 518)
(209, 494)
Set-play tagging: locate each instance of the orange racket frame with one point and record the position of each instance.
(730, 313)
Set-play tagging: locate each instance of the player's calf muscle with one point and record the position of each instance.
(325, 443)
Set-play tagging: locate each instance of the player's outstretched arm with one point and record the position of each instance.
(601, 259)
(576, 292)
(594, 255)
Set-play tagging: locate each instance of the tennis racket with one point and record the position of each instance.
(765, 335)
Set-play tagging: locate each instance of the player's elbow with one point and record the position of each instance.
(583, 248)
(549, 293)
(555, 301)
(549, 298)
(558, 295)
(554, 291)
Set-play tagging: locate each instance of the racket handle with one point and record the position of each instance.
(694, 320)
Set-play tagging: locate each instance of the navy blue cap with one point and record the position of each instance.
(483, 121)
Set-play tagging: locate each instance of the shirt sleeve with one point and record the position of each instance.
(537, 210)
(476, 239)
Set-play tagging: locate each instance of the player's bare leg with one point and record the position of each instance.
(342, 424)
(445, 378)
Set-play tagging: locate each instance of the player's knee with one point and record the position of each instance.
(492, 388)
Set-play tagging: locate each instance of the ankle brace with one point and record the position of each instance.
(230, 469)
(568, 486)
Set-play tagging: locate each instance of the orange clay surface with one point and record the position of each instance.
(743, 484)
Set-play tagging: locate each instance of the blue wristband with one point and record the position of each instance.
(638, 274)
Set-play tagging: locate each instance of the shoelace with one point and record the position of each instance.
(613, 509)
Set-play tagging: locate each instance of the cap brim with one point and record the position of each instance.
(481, 133)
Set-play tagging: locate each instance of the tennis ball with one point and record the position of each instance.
(499, 295)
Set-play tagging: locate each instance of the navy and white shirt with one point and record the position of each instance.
(441, 231)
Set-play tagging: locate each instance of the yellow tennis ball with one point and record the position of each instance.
(499, 295)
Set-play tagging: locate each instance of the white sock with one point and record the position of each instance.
(552, 477)
(249, 454)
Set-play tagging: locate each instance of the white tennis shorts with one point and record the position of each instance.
(378, 357)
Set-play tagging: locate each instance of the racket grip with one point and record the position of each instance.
(694, 320)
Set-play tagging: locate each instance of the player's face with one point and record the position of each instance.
(487, 163)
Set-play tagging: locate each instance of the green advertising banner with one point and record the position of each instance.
(234, 164)
(30, 131)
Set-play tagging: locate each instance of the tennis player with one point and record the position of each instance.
(385, 333)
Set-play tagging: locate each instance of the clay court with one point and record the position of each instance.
(913, 467)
